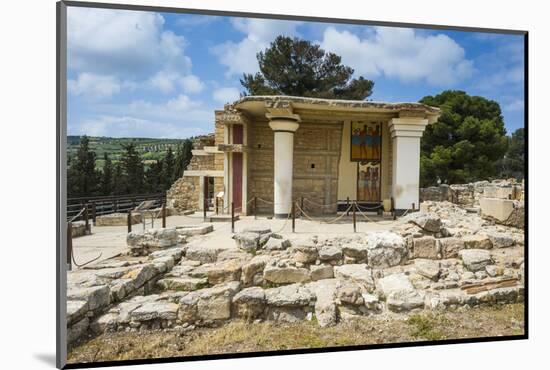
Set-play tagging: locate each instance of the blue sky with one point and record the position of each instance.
(140, 74)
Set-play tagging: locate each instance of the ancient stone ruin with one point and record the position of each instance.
(439, 258)
(500, 201)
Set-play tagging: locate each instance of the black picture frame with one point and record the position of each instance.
(61, 196)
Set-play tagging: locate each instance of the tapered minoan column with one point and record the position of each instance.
(284, 124)
(406, 133)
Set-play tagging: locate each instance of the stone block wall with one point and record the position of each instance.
(315, 165)
(183, 195)
(469, 195)
(260, 165)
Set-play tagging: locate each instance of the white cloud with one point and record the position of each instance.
(192, 84)
(240, 57)
(110, 41)
(178, 117)
(179, 109)
(164, 81)
(226, 95)
(129, 126)
(401, 53)
(130, 45)
(93, 85)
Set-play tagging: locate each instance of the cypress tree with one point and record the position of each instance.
(167, 173)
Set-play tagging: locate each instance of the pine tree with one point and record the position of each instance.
(133, 168)
(466, 142)
(83, 177)
(119, 180)
(291, 66)
(153, 177)
(107, 177)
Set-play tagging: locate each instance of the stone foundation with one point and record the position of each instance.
(117, 219)
(441, 258)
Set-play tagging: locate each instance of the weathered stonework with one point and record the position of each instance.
(184, 195)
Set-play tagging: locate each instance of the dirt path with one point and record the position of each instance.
(242, 337)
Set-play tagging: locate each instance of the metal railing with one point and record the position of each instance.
(104, 205)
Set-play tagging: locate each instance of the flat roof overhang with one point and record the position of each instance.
(331, 109)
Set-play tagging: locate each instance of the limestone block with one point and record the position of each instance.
(425, 247)
(476, 259)
(319, 272)
(385, 249)
(450, 247)
(477, 241)
(285, 275)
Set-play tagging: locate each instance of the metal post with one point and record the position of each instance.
(129, 220)
(232, 217)
(94, 212)
(86, 221)
(354, 218)
(301, 206)
(347, 206)
(69, 244)
(293, 217)
(163, 215)
(216, 205)
(413, 206)
(255, 207)
(204, 209)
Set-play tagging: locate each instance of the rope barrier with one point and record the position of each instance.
(86, 263)
(322, 221)
(368, 208)
(78, 215)
(379, 222)
(284, 224)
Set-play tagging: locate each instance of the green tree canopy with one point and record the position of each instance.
(291, 66)
(107, 177)
(83, 177)
(133, 169)
(167, 172)
(513, 163)
(183, 157)
(466, 142)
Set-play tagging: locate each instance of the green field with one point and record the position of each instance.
(150, 149)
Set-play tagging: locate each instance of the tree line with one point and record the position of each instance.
(128, 176)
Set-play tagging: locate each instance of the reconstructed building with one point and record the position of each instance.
(282, 148)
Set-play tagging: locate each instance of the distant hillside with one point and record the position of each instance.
(150, 149)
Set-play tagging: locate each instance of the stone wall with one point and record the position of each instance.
(184, 194)
(315, 165)
(260, 165)
(468, 195)
(316, 157)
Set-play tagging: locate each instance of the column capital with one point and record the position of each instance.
(282, 112)
(407, 126)
(283, 125)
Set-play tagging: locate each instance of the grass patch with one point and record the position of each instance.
(427, 326)
(239, 336)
